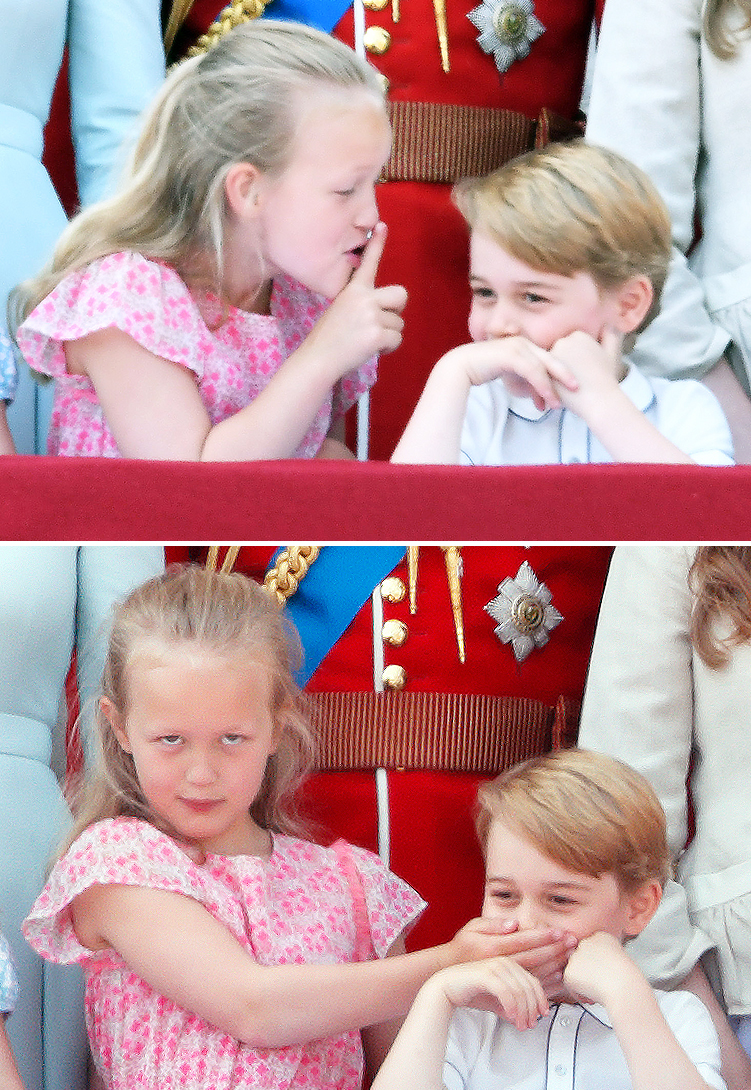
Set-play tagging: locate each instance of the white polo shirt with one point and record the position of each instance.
(501, 430)
(573, 1048)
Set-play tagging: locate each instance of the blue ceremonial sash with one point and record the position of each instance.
(337, 586)
(324, 14)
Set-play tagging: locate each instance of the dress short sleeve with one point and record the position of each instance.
(8, 980)
(118, 851)
(383, 903)
(124, 291)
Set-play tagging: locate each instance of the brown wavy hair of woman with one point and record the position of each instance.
(721, 38)
(720, 578)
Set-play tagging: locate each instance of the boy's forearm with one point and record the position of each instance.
(655, 1059)
(416, 1057)
(626, 433)
(433, 434)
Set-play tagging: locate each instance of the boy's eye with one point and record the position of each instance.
(533, 298)
(344, 192)
(560, 901)
(483, 293)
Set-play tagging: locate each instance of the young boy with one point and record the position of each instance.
(575, 841)
(569, 251)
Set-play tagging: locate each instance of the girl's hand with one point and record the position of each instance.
(363, 321)
(542, 951)
(500, 986)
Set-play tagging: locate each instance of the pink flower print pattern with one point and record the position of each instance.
(305, 905)
(232, 352)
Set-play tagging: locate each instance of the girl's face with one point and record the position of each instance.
(316, 215)
(200, 729)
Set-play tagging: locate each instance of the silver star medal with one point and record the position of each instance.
(524, 612)
(507, 29)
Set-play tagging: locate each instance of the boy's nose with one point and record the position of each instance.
(527, 916)
(503, 322)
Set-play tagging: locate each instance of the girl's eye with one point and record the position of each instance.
(170, 739)
(344, 192)
(233, 739)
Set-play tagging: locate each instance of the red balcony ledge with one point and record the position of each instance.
(61, 499)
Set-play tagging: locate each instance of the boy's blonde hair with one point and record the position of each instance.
(588, 812)
(239, 102)
(223, 615)
(574, 207)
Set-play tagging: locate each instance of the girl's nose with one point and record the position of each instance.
(367, 212)
(200, 770)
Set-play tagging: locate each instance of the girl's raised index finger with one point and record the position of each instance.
(371, 256)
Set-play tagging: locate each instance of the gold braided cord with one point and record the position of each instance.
(240, 11)
(291, 567)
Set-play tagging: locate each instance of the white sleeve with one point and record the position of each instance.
(481, 441)
(116, 64)
(106, 573)
(638, 707)
(690, 416)
(646, 104)
(692, 1026)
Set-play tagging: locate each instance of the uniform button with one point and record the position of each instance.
(560, 1069)
(376, 40)
(566, 1021)
(393, 589)
(376, 5)
(394, 633)
(394, 678)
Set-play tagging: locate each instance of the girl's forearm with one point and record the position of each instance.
(292, 1004)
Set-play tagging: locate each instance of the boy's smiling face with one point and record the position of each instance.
(511, 299)
(526, 887)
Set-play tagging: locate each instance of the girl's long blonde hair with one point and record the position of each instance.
(221, 614)
(239, 102)
(720, 578)
(722, 37)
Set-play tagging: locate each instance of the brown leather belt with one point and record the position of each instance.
(449, 732)
(440, 142)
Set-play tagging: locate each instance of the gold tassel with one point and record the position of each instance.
(413, 560)
(453, 558)
(441, 25)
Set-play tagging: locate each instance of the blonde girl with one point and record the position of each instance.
(189, 317)
(670, 91)
(668, 691)
(220, 948)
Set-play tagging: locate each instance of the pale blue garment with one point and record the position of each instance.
(51, 596)
(116, 64)
(8, 980)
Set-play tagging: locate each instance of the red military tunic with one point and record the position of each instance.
(432, 842)
(427, 245)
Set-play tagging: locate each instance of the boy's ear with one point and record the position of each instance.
(633, 300)
(242, 188)
(115, 720)
(641, 907)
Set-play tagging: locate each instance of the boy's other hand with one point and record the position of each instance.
(499, 985)
(599, 969)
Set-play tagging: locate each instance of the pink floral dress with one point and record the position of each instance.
(306, 904)
(233, 353)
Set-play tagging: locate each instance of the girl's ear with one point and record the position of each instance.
(641, 906)
(242, 187)
(115, 720)
(633, 300)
